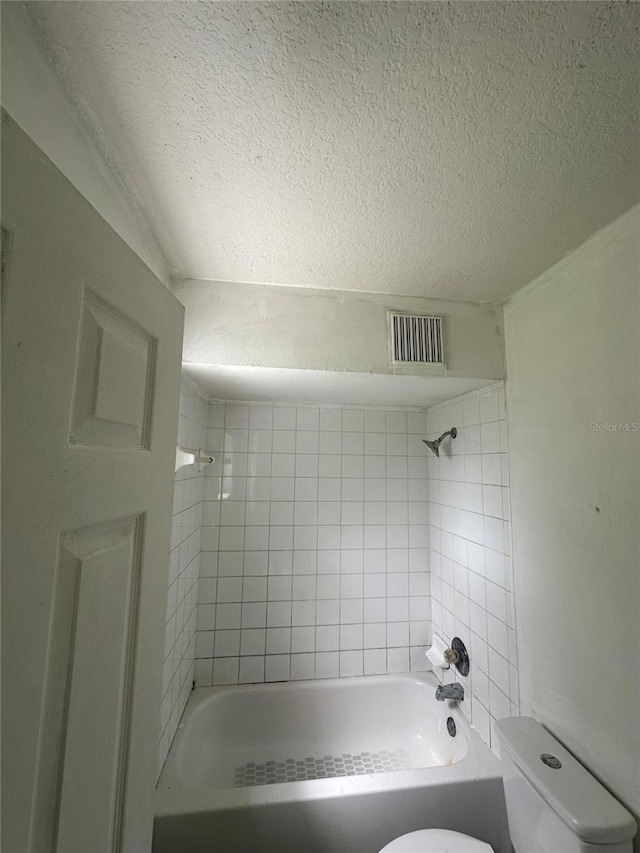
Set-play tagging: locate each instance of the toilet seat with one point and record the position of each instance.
(436, 841)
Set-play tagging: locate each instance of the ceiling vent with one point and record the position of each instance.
(415, 340)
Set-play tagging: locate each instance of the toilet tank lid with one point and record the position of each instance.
(571, 791)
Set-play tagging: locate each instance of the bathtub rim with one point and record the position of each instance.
(174, 796)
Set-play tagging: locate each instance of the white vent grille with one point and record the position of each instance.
(416, 340)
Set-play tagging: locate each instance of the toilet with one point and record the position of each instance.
(554, 805)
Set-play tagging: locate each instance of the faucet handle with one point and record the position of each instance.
(451, 656)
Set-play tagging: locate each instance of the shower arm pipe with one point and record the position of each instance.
(434, 446)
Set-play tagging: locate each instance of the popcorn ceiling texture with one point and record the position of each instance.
(448, 150)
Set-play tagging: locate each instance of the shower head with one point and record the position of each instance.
(434, 446)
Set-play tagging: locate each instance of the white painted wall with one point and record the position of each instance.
(35, 98)
(572, 345)
(290, 327)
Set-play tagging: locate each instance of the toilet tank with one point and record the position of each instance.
(556, 809)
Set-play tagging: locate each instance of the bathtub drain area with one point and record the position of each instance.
(324, 767)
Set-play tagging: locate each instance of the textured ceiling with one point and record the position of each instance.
(436, 149)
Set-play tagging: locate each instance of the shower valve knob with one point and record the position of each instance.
(451, 656)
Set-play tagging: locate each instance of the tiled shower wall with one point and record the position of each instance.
(470, 548)
(184, 569)
(314, 558)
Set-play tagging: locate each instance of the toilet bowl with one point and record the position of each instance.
(436, 841)
(553, 802)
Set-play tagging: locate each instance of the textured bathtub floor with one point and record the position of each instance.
(325, 767)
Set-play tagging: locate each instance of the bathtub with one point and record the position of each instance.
(341, 764)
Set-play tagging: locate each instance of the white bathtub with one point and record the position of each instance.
(324, 766)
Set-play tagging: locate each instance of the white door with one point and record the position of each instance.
(91, 346)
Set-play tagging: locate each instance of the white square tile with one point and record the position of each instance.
(398, 660)
(254, 615)
(328, 561)
(252, 641)
(489, 405)
(304, 562)
(397, 560)
(329, 512)
(397, 634)
(353, 444)
(282, 512)
(330, 443)
(305, 537)
(283, 441)
(329, 537)
(491, 469)
(225, 670)
(396, 421)
(279, 588)
(283, 464)
(351, 586)
(257, 538)
(236, 416)
(376, 489)
(281, 538)
(351, 611)
(375, 536)
(251, 670)
(375, 635)
(351, 663)
(396, 444)
(257, 512)
(302, 666)
(352, 420)
(303, 612)
(350, 636)
(306, 488)
(327, 664)
(397, 609)
(229, 590)
(374, 420)
(284, 417)
(352, 537)
(227, 643)
(278, 641)
(227, 616)
(471, 411)
(277, 667)
(330, 466)
(260, 441)
(282, 488)
(279, 614)
(374, 585)
(307, 443)
(304, 588)
(353, 466)
(328, 612)
(307, 418)
(230, 563)
(202, 673)
(375, 661)
(280, 562)
(303, 639)
(327, 638)
(306, 466)
(331, 419)
(375, 469)
(375, 444)
(254, 589)
(352, 512)
(375, 560)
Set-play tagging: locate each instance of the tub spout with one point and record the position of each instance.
(450, 691)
